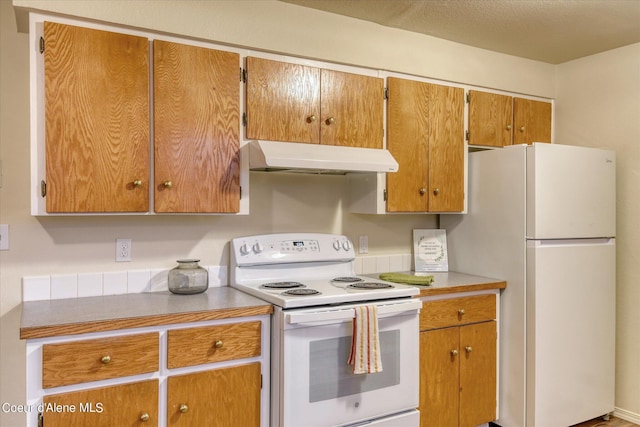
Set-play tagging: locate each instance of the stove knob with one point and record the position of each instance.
(336, 245)
(257, 247)
(244, 249)
(346, 245)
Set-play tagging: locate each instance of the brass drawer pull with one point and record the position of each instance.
(144, 417)
(184, 408)
(461, 312)
(106, 359)
(454, 353)
(468, 349)
(218, 344)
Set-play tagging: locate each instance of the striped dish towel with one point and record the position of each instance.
(365, 341)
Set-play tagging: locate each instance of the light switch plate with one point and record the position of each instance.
(4, 237)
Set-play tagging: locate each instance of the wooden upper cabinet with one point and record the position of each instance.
(298, 103)
(426, 137)
(352, 107)
(408, 142)
(196, 123)
(532, 121)
(96, 95)
(282, 101)
(490, 119)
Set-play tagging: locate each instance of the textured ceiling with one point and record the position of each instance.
(552, 31)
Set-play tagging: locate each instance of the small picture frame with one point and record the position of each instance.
(430, 250)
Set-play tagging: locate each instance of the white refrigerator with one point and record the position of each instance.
(542, 217)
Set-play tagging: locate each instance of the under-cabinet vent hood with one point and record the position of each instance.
(318, 159)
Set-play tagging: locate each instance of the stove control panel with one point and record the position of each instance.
(291, 247)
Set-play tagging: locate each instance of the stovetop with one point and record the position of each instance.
(305, 269)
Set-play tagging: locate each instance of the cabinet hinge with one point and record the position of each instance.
(41, 44)
(468, 97)
(241, 191)
(386, 93)
(243, 75)
(43, 188)
(260, 381)
(384, 195)
(466, 135)
(40, 419)
(244, 119)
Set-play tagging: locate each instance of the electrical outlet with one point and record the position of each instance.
(4, 237)
(363, 245)
(123, 250)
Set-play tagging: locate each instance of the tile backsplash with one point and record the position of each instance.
(79, 285)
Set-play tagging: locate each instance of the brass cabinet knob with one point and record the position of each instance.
(167, 184)
(423, 190)
(461, 312)
(184, 408)
(144, 417)
(436, 191)
(454, 353)
(218, 344)
(521, 128)
(312, 118)
(137, 183)
(106, 359)
(508, 127)
(468, 349)
(330, 121)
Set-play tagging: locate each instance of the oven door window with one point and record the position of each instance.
(331, 377)
(317, 383)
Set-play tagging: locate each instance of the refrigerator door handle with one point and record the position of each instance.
(570, 242)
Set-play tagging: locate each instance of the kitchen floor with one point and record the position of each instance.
(613, 422)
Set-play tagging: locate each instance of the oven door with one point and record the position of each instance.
(317, 385)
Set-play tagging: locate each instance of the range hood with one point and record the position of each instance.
(318, 159)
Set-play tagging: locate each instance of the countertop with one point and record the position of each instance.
(454, 282)
(106, 313)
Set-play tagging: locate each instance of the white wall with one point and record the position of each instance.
(64, 245)
(598, 105)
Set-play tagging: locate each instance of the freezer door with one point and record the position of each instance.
(570, 192)
(570, 331)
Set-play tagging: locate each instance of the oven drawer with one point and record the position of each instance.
(209, 344)
(99, 359)
(457, 311)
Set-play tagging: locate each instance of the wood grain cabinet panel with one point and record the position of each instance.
(196, 122)
(457, 311)
(99, 359)
(490, 119)
(458, 362)
(216, 398)
(208, 344)
(299, 103)
(96, 96)
(131, 405)
(532, 120)
(425, 135)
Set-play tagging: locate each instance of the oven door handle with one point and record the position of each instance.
(384, 310)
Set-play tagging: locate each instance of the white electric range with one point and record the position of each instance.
(310, 278)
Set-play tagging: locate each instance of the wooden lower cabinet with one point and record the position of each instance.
(216, 398)
(131, 405)
(458, 376)
(458, 361)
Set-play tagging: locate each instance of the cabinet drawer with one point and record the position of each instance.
(196, 346)
(99, 359)
(457, 311)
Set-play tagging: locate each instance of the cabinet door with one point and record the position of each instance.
(96, 120)
(196, 124)
(439, 378)
(283, 101)
(134, 404)
(352, 108)
(490, 119)
(407, 141)
(446, 149)
(477, 374)
(216, 398)
(532, 120)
